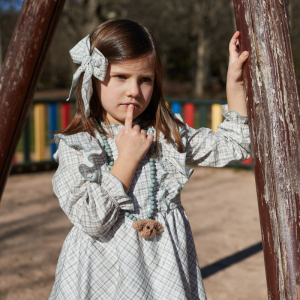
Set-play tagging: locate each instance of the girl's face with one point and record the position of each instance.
(128, 82)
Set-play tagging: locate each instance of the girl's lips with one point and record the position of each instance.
(125, 105)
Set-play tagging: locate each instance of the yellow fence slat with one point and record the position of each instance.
(39, 131)
(216, 116)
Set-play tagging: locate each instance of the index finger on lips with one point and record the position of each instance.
(129, 117)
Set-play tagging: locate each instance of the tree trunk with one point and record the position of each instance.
(273, 110)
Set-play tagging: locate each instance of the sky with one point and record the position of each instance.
(10, 4)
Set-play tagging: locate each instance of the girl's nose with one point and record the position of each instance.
(133, 89)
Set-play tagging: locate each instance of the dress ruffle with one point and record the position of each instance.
(87, 146)
(90, 150)
(175, 174)
(173, 163)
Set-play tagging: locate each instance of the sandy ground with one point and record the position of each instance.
(220, 203)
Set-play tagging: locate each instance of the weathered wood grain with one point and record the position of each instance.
(273, 109)
(20, 73)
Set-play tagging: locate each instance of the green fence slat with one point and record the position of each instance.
(26, 141)
(203, 112)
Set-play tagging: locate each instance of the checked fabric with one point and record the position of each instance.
(103, 257)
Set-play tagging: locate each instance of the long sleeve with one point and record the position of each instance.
(92, 203)
(216, 149)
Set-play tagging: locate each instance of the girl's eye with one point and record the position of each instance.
(146, 79)
(120, 77)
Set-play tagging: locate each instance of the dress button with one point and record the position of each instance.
(139, 165)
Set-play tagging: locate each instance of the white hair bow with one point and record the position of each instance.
(95, 64)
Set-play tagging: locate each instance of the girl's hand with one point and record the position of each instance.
(132, 142)
(235, 86)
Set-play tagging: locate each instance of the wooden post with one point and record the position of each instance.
(20, 73)
(273, 109)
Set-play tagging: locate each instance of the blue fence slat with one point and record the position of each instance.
(175, 107)
(52, 126)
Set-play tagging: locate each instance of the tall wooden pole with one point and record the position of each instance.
(274, 119)
(20, 73)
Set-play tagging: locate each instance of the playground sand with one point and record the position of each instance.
(220, 203)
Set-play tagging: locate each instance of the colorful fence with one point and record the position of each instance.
(35, 153)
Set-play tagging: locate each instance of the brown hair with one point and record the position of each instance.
(117, 41)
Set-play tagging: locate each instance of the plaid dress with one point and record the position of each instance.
(103, 257)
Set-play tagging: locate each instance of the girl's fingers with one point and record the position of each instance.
(137, 128)
(235, 69)
(233, 45)
(150, 138)
(129, 117)
(236, 58)
(233, 41)
(242, 58)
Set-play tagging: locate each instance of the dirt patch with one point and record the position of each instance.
(220, 203)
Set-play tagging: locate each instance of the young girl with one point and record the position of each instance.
(122, 167)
